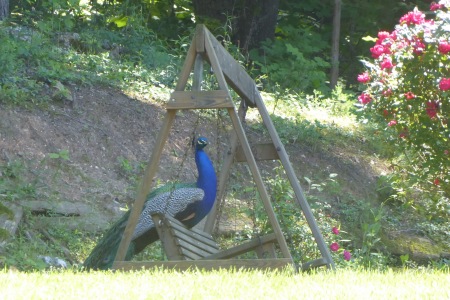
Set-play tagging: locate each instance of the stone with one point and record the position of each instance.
(420, 249)
(62, 208)
(10, 218)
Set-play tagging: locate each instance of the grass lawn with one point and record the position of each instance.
(156, 284)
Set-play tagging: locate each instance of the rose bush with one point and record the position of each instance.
(407, 88)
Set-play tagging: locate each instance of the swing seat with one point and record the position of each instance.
(181, 243)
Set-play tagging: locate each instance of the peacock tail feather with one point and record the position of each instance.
(188, 203)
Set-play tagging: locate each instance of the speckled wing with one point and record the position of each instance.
(170, 203)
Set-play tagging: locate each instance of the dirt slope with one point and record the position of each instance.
(108, 138)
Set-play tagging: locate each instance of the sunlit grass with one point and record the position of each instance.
(154, 284)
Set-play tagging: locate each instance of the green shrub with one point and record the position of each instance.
(407, 89)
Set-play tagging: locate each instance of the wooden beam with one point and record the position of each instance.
(244, 247)
(199, 100)
(198, 73)
(187, 68)
(266, 151)
(234, 73)
(300, 197)
(214, 60)
(145, 186)
(199, 39)
(314, 264)
(208, 265)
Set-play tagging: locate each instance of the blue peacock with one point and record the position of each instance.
(187, 202)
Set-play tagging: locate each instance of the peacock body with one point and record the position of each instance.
(187, 202)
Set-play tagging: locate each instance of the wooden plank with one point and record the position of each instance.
(214, 61)
(199, 39)
(169, 243)
(234, 73)
(199, 251)
(178, 245)
(145, 186)
(201, 232)
(199, 100)
(175, 223)
(198, 73)
(208, 240)
(188, 241)
(189, 255)
(208, 265)
(245, 247)
(314, 264)
(187, 68)
(266, 151)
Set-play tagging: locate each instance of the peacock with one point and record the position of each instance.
(187, 202)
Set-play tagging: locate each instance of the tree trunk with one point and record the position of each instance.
(335, 44)
(251, 21)
(4, 9)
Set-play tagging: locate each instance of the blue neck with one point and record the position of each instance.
(207, 181)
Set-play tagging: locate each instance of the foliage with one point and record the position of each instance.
(405, 87)
(36, 69)
(13, 185)
(294, 61)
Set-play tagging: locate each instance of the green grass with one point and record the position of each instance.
(154, 284)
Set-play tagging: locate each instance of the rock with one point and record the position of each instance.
(420, 249)
(10, 217)
(63, 208)
(67, 39)
(54, 262)
(72, 216)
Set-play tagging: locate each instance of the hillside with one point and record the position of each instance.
(75, 165)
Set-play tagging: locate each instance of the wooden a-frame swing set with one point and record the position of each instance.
(186, 248)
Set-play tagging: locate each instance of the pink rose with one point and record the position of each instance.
(392, 123)
(419, 47)
(386, 63)
(377, 51)
(436, 6)
(444, 84)
(410, 95)
(382, 35)
(334, 247)
(364, 98)
(393, 35)
(444, 47)
(364, 77)
(335, 230)
(347, 255)
(432, 109)
(413, 17)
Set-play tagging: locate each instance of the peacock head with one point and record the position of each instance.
(201, 143)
